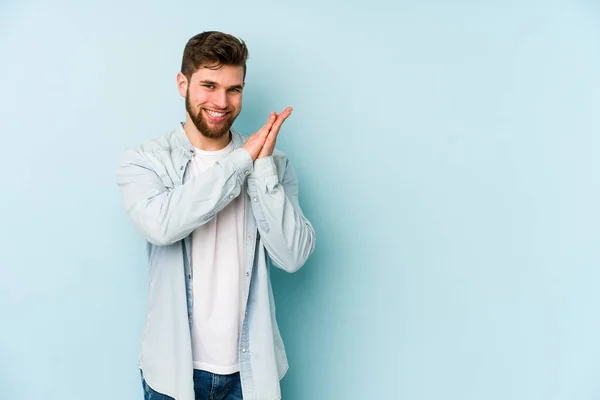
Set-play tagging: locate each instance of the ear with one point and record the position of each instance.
(182, 84)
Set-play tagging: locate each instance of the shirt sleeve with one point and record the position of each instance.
(288, 236)
(163, 216)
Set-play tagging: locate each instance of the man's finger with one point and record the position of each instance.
(267, 127)
(280, 118)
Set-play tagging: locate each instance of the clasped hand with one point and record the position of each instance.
(262, 143)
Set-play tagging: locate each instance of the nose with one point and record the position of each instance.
(219, 99)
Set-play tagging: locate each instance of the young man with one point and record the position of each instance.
(217, 210)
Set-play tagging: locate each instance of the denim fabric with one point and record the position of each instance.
(165, 205)
(207, 386)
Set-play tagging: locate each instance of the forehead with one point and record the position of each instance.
(227, 75)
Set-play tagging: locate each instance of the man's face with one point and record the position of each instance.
(213, 99)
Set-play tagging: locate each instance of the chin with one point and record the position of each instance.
(212, 134)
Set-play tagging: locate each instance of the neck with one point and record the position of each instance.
(202, 142)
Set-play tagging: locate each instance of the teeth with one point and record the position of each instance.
(215, 114)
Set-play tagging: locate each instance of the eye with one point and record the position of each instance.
(209, 86)
(236, 90)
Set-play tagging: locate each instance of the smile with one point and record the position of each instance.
(216, 116)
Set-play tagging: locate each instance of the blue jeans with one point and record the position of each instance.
(207, 386)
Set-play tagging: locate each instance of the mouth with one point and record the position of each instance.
(215, 116)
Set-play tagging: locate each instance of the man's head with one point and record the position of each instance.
(211, 80)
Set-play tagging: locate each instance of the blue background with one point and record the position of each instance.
(447, 154)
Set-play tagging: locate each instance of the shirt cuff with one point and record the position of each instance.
(264, 167)
(242, 161)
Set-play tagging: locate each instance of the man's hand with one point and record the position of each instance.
(269, 143)
(255, 143)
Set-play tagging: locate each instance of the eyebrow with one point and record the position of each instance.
(207, 82)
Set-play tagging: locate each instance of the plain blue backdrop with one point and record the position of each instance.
(447, 154)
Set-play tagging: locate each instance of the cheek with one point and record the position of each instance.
(236, 101)
(197, 98)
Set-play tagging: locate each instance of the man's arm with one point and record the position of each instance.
(288, 236)
(163, 217)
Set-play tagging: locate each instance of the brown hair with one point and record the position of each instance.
(212, 50)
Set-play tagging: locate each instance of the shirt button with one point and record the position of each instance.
(255, 199)
(181, 168)
(189, 276)
(243, 350)
(250, 237)
(246, 172)
(231, 196)
(247, 273)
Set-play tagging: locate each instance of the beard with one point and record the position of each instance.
(201, 122)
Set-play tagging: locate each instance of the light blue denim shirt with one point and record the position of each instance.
(165, 206)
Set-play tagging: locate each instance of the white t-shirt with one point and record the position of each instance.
(217, 259)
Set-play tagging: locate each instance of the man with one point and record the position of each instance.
(217, 210)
